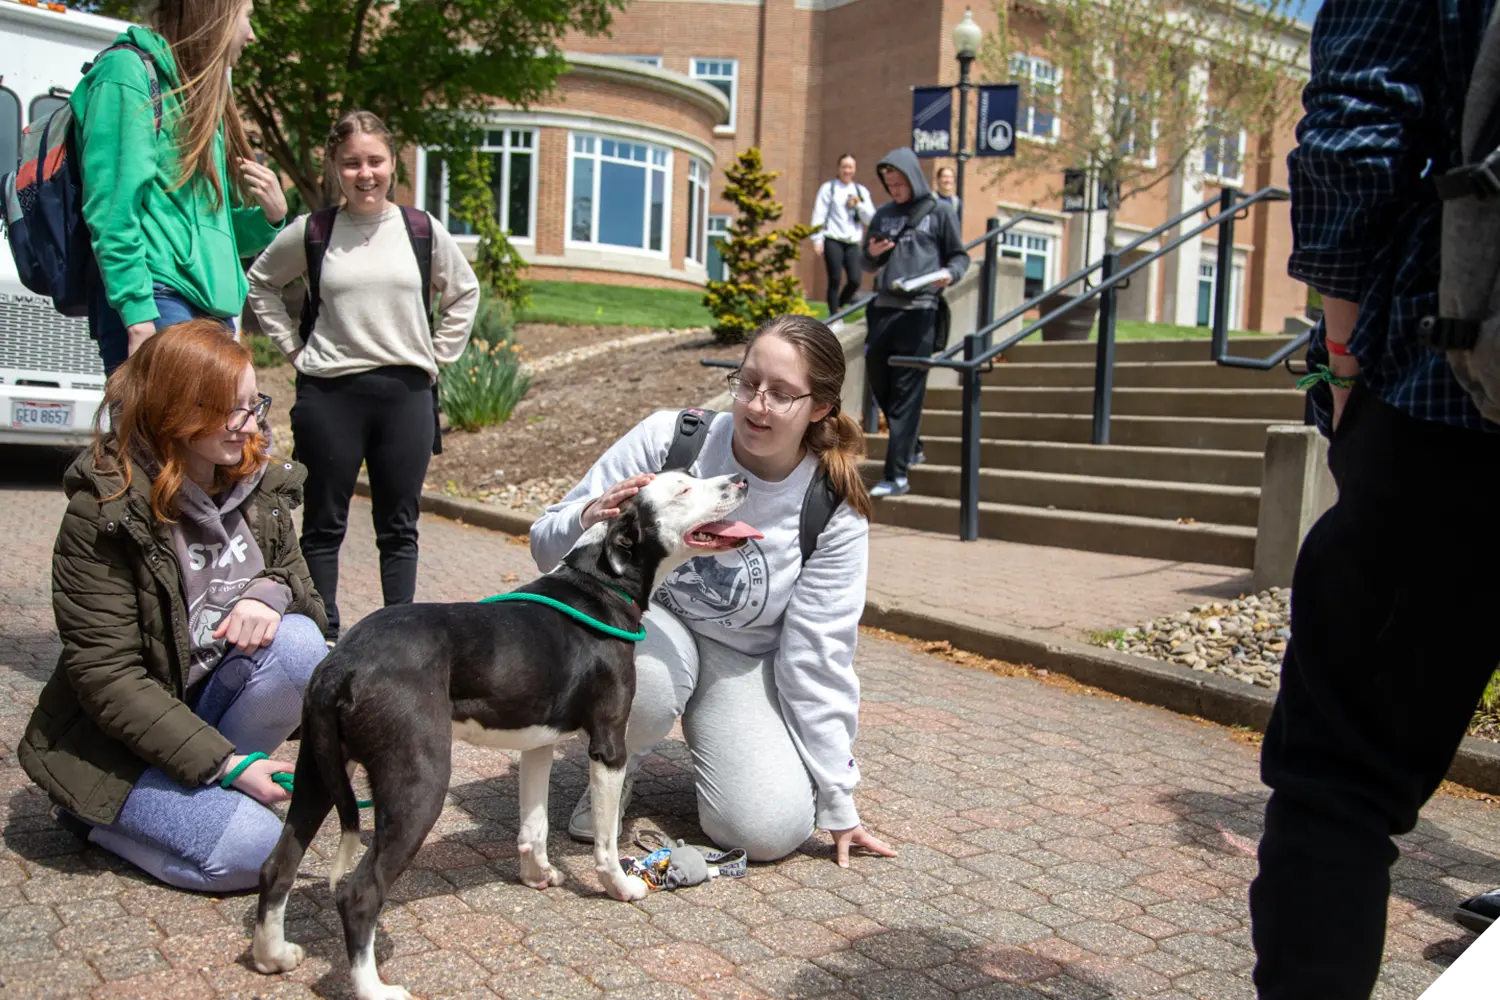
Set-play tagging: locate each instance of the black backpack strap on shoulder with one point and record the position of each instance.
(419, 232)
(315, 245)
(692, 431)
(818, 507)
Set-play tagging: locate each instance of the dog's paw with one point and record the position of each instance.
(273, 960)
(627, 888)
(540, 876)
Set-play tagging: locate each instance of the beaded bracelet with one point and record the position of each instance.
(1322, 373)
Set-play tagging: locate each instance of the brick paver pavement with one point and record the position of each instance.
(1053, 845)
(1064, 591)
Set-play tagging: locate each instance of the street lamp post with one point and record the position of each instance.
(967, 37)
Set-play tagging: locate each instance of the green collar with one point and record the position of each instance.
(574, 613)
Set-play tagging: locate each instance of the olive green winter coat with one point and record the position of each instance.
(115, 704)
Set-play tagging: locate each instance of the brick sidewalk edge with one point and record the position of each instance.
(1207, 696)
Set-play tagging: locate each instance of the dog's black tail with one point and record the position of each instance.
(320, 734)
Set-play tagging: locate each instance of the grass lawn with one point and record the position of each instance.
(570, 303)
(1131, 330)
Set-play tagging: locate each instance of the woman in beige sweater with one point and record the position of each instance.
(366, 355)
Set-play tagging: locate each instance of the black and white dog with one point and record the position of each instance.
(408, 679)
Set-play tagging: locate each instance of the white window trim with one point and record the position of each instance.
(734, 88)
(1238, 270)
(710, 234)
(569, 243)
(419, 186)
(1219, 176)
(1030, 81)
(1052, 234)
(700, 205)
(1148, 161)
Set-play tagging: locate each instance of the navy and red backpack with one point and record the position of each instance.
(41, 203)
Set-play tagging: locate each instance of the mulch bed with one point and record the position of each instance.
(568, 418)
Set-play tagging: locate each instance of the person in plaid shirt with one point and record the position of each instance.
(1391, 639)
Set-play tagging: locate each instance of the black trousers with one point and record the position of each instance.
(1373, 702)
(899, 391)
(840, 258)
(383, 419)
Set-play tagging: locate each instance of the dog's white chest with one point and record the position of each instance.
(508, 739)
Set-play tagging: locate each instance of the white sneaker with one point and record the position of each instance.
(890, 488)
(581, 823)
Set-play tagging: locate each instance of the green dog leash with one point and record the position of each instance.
(284, 778)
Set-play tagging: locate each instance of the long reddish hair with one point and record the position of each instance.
(179, 386)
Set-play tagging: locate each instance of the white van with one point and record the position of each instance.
(51, 379)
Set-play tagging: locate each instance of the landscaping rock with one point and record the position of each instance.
(1244, 639)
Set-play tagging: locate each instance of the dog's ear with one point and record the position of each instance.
(620, 540)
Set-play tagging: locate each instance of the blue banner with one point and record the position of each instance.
(998, 104)
(932, 121)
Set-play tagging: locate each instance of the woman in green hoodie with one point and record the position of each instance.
(171, 207)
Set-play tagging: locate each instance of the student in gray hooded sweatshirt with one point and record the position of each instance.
(913, 234)
(188, 620)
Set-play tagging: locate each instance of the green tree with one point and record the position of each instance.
(472, 198)
(1143, 85)
(758, 283)
(429, 69)
(123, 9)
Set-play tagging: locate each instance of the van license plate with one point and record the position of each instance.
(27, 416)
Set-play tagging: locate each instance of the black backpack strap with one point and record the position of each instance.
(818, 507)
(315, 245)
(692, 431)
(419, 231)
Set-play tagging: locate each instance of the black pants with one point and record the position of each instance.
(899, 391)
(1373, 700)
(840, 257)
(384, 419)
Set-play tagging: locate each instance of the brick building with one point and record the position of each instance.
(614, 177)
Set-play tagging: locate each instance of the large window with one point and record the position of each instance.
(511, 153)
(1035, 251)
(618, 193)
(1223, 151)
(1138, 136)
(718, 234)
(721, 73)
(10, 131)
(697, 211)
(1037, 114)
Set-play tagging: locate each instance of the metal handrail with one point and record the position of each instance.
(940, 361)
(979, 353)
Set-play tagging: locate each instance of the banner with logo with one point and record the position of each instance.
(932, 121)
(998, 104)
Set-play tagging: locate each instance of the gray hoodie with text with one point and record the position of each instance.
(935, 241)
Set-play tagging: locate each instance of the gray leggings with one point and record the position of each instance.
(210, 839)
(753, 789)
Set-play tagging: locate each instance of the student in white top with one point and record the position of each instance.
(947, 185)
(366, 370)
(753, 649)
(843, 208)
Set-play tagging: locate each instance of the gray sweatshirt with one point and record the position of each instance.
(936, 241)
(759, 598)
(220, 565)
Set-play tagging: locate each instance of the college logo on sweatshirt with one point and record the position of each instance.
(218, 556)
(729, 587)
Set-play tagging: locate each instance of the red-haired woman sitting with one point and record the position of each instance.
(189, 624)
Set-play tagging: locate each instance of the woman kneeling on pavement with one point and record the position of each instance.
(189, 624)
(753, 649)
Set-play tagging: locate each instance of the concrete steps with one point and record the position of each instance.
(1227, 545)
(1271, 404)
(1171, 501)
(1179, 480)
(1111, 461)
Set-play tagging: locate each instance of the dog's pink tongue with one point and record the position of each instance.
(730, 529)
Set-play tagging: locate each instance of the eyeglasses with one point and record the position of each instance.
(240, 416)
(776, 402)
